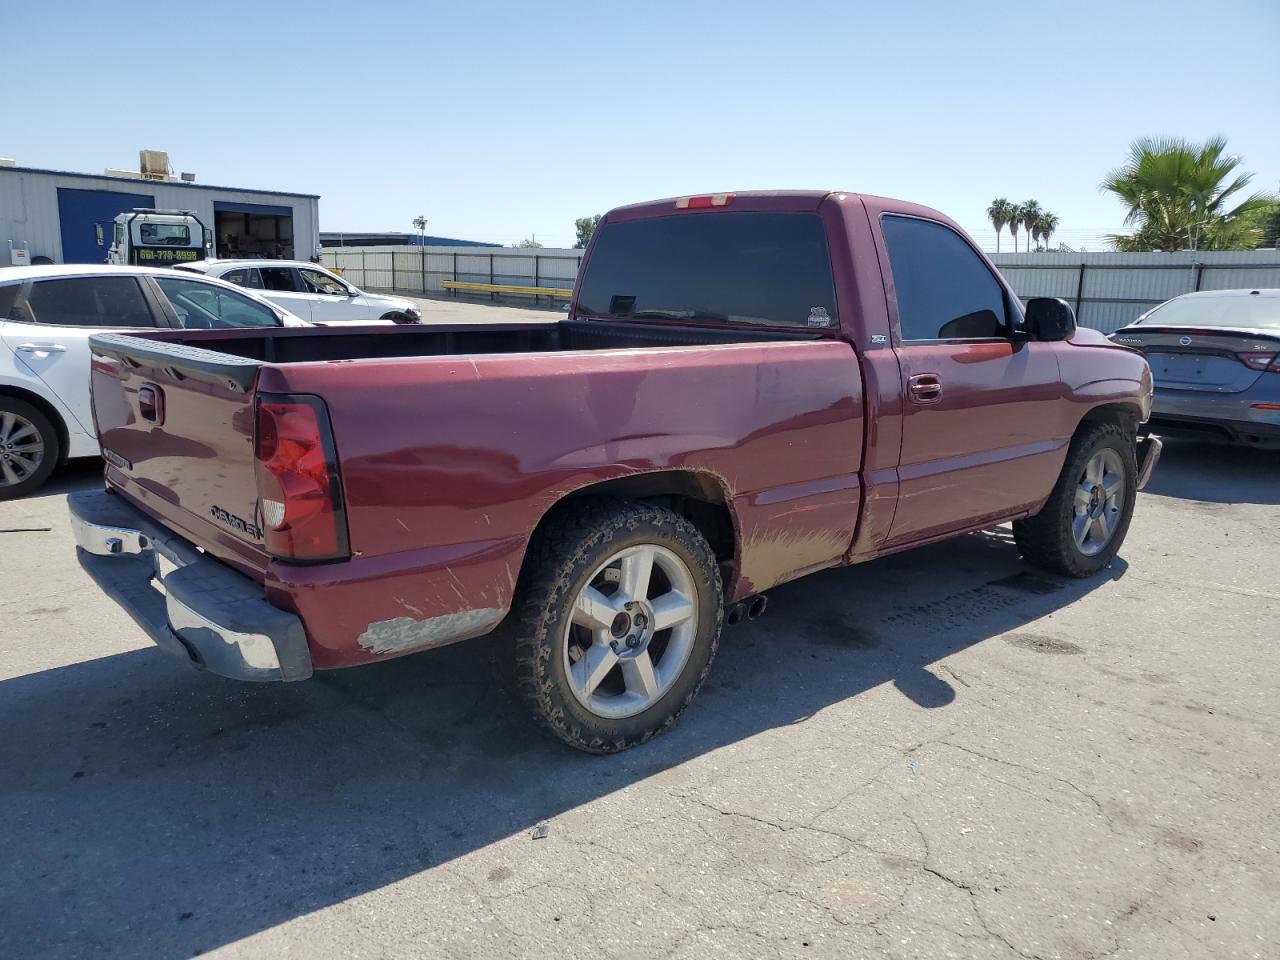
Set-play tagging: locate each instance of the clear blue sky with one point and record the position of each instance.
(498, 120)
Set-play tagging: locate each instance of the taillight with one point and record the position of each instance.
(1261, 361)
(704, 201)
(298, 485)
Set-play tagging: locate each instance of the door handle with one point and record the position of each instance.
(41, 350)
(925, 388)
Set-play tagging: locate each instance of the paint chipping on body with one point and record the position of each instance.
(402, 634)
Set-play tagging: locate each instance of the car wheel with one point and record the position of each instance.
(397, 317)
(1087, 515)
(29, 448)
(617, 622)
(41, 262)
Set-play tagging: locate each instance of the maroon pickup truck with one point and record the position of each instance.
(746, 388)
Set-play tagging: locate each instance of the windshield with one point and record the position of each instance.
(762, 268)
(1236, 311)
(170, 233)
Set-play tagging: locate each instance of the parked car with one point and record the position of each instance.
(1215, 357)
(310, 291)
(747, 388)
(47, 314)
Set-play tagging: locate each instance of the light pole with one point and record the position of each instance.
(421, 223)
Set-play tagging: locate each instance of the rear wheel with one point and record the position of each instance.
(1085, 520)
(617, 623)
(29, 448)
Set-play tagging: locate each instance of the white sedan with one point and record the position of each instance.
(310, 291)
(47, 315)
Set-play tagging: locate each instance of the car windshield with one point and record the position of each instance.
(762, 268)
(1254, 311)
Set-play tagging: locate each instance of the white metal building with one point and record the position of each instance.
(66, 217)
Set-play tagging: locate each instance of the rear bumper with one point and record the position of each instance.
(200, 609)
(1231, 417)
(1253, 432)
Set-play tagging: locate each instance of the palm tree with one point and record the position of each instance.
(1048, 224)
(1015, 221)
(1029, 214)
(1183, 195)
(999, 213)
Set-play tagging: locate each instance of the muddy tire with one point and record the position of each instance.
(1085, 519)
(29, 448)
(616, 623)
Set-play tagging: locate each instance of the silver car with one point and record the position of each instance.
(1215, 359)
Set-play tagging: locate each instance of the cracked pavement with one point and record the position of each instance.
(940, 754)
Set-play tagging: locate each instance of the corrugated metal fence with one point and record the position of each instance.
(421, 269)
(1107, 290)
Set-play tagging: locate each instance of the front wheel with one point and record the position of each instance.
(1087, 515)
(617, 623)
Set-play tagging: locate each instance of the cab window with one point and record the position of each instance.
(317, 282)
(204, 306)
(944, 290)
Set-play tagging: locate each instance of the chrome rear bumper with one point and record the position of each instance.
(201, 609)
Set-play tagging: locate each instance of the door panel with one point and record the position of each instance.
(50, 324)
(81, 213)
(985, 446)
(981, 435)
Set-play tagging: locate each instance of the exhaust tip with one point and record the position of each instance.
(735, 615)
(756, 606)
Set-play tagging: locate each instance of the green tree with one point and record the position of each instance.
(529, 243)
(1029, 215)
(1015, 221)
(1181, 195)
(585, 227)
(999, 213)
(1048, 224)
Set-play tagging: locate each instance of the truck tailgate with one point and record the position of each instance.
(176, 426)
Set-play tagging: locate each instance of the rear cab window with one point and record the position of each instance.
(87, 302)
(944, 290)
(765, 269)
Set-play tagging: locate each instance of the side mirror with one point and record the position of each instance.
(1050, 319)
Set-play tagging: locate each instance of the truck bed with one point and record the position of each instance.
(451, 444)
(285, 345)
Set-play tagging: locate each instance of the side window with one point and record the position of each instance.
(945, 291)
(316, 282)
(242, 277)
(89, 302)
(8, 294)
(277, 278)
(204, 306)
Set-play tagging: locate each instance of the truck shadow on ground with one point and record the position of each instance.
(153, 811)
(1216, 473)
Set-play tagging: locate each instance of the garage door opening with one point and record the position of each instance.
(253, 230)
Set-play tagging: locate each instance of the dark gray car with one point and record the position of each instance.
(1215, 359)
